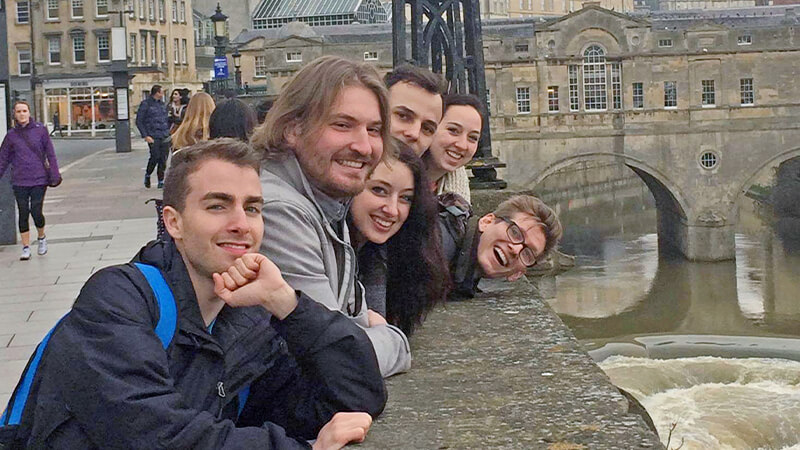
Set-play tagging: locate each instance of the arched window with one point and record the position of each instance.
(594, 79)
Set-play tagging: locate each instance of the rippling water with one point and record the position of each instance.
(712, 347)
(716, 403)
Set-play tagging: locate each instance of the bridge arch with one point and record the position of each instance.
(775, 160)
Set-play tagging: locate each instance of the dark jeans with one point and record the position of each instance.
(30, 200)
(159, 150)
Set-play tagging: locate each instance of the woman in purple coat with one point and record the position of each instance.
(28, 149)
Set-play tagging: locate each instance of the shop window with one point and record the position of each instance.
(523, 100)
(79, 49)
(52, 9)
(103, 52)
(747, 91)
(77, 9)
(54, 50)
(670, 94)
(24, 62)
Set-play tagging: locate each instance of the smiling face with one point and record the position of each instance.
(22, 115)
(382, 208)
(498, 257)
(456, 139)
(416, 113)
(347, 148)
(221, 219)
(176, 96)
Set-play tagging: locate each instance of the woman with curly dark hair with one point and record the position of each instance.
(394, 228)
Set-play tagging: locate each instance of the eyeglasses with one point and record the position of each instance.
(515, 234)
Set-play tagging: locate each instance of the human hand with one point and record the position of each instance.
(343, 428)
(375, 318)
(254, 280)
(149, 139)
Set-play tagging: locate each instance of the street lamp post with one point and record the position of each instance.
(220, 60)
(237, 64)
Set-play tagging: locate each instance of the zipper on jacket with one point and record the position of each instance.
(220, 389)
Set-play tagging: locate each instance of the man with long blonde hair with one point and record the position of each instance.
(320, 141)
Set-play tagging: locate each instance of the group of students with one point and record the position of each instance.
(296, 266)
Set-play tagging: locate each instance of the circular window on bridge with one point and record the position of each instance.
(708, 160)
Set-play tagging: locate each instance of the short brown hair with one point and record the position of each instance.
(420, 76)
(307, 100)
(187, 161)
(528, 204)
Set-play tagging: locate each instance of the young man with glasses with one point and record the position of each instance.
(521, 232)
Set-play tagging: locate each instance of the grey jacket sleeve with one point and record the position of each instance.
(293, 243)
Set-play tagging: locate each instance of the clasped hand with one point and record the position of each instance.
(253, 280)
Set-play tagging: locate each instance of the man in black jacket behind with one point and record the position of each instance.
(242, 333)
(153, 124)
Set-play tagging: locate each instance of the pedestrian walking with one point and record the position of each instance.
(57, 125)
(176, 109)
(151, 119)
(28, 149)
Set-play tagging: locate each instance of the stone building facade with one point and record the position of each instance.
(62, 54)
(695, 102)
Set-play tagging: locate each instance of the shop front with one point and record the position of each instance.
(82, 107)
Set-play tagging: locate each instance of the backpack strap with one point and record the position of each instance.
(165, 329)
(167, 309)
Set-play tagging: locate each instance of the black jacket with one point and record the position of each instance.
(151, 119)
(106, 381)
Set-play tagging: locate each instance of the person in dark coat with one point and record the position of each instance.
(57, 125)
(153, 124)
(106, 381)
(27, 148)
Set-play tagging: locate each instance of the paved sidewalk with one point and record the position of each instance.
(96, 218)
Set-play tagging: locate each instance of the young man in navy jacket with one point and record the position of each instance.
(252, 363)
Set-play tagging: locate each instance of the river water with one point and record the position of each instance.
(711, 350)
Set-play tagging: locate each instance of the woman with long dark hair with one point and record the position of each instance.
(28, 149)
(394, 228)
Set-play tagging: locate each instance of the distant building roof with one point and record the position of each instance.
(302, 8)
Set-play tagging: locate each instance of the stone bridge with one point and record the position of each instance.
(697, 204)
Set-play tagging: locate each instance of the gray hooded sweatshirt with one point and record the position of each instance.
(301, 238)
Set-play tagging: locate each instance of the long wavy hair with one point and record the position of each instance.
(194, 127)
(417, 276)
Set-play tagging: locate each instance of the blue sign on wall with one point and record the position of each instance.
(220, 68)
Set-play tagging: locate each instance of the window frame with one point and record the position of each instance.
(174, 11)
(107, 39)
(665, 43)
(151, 10)
(595, 79)
(371, 56)
(49, 9)
(673, 98)
(184, 51)
(153, 49)
(97, 8)
(143, 48)
(75, 39)
(26, 12)
(745, 91)
(72, 8)
(522, 102)
(260, 66)
(182, 12)
(637, 97)
(176, 50)
(50, 52)
(744, 39)
(28, 61)
(290, 57)
(163, 42)
(574, 88)
(708, 94)
(162, 10)
(133, 47)
(552, 99)
(616, 85)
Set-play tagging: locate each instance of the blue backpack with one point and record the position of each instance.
(165, 329)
